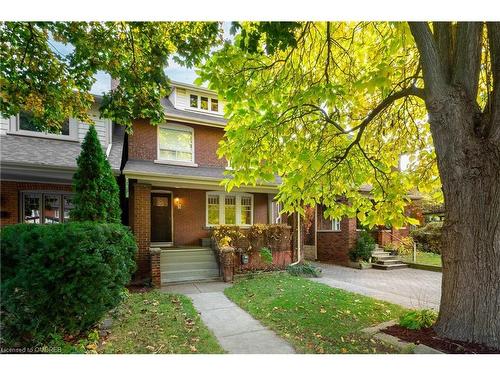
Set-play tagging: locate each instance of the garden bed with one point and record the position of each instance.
(428, 337)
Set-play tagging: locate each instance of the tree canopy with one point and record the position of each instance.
(331, 108)
(36, 77)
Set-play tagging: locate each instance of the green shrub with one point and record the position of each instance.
(364, 248)
(266, 255)
(304, 269)
(96, 190)
(428, 237)
(61, 279)
(418, 319)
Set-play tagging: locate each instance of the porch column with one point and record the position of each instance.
(140, 212)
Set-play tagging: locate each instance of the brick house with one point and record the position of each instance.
(36, 168)
(169, 176)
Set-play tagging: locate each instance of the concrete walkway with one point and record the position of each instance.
(407, 287)
(236, 330)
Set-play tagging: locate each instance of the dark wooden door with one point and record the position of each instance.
(161, 217)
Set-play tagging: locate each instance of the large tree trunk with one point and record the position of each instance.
(469, 166)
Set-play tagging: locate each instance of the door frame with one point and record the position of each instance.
(171, 243)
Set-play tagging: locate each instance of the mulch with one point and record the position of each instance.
(428, 337)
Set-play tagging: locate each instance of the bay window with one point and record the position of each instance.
(176, 143)
(229, 209)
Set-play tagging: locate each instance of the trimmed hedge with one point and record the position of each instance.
(428, 237)
(61, 279)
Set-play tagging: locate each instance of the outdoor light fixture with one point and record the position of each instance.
(178, 203)
(244, 259)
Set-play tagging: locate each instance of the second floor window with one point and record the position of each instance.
(176, 143)
(204, 103)
(27, 122)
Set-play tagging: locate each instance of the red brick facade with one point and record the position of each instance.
(189, 225)
(10, 193)
(334, 246)
(142, 144)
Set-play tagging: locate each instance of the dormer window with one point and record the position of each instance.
(203, 103)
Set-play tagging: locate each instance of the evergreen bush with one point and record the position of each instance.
(61, 279)
(96, 190)
(365, 245)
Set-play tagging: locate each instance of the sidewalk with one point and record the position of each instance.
(236, 330)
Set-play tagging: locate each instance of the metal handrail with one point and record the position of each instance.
(414, 246)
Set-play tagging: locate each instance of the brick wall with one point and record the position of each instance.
(334, 246)
(142, 144)
(10, 196)
(188, 222)
(140, 222)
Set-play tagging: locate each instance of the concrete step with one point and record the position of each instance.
(192, 275)
(389, 266)
(384, 257)
(184, 266)
(188, 264)
(389, 261)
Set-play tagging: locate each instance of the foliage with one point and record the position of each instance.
(275, 237)
(365, 244)
(418, 319)
(63, 278)
(324, 100)
(313, 317)
(96, 190)
(428, 237)
(83, 345)
(157, 322)
(402, 247)
(266, 255)
(304, 269)
(48, 68)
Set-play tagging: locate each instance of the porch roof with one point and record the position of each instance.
(149, 170)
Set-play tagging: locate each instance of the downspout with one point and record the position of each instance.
(298, 241)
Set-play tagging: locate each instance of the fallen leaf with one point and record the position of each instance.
(193, 348)
(322, 310)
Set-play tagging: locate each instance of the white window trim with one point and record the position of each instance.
(222, 219)
(334, 225)
(42, 194)
(175, 162)
(14, 126)
(198, 108)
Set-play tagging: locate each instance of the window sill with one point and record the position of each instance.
(244, 226)
(178, 163)
(204, 111)
(43, 135)
(328, 231)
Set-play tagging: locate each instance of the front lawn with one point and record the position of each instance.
(430, 259)
(314, 317)
(156, 322)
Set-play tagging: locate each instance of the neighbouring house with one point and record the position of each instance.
(36, 168)
(170, 181)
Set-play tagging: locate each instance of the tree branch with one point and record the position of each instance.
(434, 76)
(467, 59)
(444, 43)
(493, 129)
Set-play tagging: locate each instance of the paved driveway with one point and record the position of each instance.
(407, 287)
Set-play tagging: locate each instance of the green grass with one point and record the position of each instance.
(156, 322)
(424, 258)
(313, 317)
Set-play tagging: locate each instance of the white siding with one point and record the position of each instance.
(4, 125)
(102, 126)
(181, 99)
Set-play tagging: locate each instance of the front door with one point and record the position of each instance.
(161, 217)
